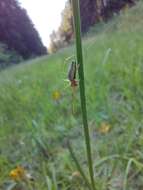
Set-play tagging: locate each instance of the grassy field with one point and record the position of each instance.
(37, 116)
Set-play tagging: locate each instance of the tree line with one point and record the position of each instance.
(92, 12)
(17, 32)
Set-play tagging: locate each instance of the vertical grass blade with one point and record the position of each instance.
(77, 27)
(126, 174)
(78, 166)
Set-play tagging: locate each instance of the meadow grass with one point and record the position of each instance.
(34, 126)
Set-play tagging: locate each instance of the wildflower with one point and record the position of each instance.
(18, 173)
(56, 95)
(104, 128)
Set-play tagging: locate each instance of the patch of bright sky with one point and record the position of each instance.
(45, 14)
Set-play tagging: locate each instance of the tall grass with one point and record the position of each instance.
(114, 94)
(77, 27)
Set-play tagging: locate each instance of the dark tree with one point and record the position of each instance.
(17, 30)
(113, 6)
(89, 13)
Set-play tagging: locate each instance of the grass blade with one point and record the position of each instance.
(78, 166)
(126, 174)
(77, 27)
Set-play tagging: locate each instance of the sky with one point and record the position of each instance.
(45, 15)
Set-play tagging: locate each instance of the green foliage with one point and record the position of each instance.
(66, 27)
(63, 36)
(114, 82)
(8, 57)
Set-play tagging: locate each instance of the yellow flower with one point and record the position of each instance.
(104, 128)
(18, 173)
(56, 95)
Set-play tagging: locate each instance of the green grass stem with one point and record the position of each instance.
(78, 166)
(77, 27)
